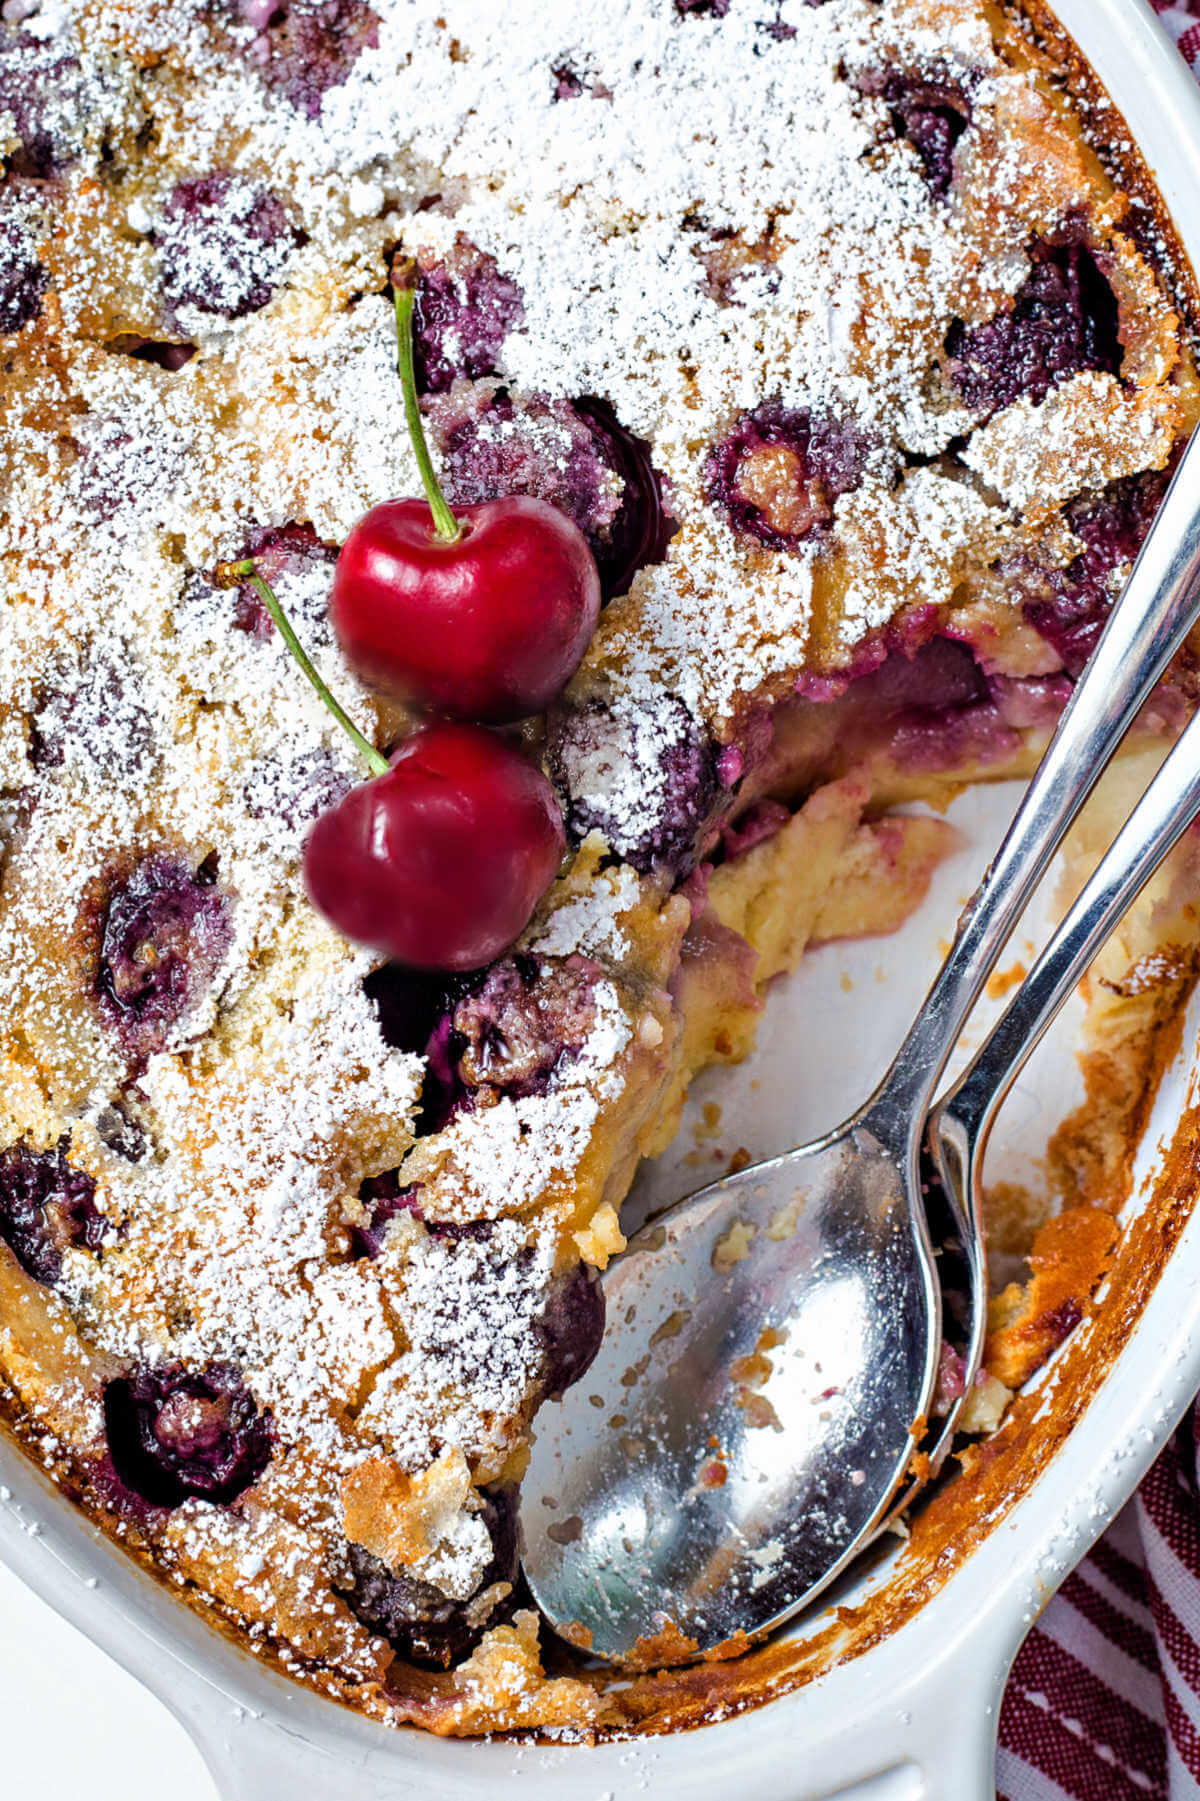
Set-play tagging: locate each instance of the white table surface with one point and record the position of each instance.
(73, 1723)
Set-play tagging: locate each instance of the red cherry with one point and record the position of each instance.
(440, 861)
(491, 625)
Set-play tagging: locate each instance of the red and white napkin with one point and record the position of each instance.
(1103, 1703)
(1182, 20)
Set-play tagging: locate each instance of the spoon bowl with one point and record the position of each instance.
(769, 1344)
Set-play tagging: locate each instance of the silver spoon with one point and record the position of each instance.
(773, 1341)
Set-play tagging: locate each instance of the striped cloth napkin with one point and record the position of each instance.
(1103, 1703)
(1182, 20)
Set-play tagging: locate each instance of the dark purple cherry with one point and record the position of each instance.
(295, 789)
(119, 466)
(646, 778)
(411, 1003)
(422, 1624)
(932, 115)
(571, 1328)
(941, 676)
(305, 47)
(514, 1029)
(176, 1435)
(642, 529)
(416, 1015)
(566, 453)
(1072, 605)
(42, 90)
(1113, 524)
(702, 9)
(779, 471)
(464, 310)
(166, 931)
(23, 281)
(279, 551)
(1062, 319)
(223, 245)
(46, 1206)
(507, 1028)
(94, 718)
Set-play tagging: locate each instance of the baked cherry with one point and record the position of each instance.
(571, 1328)
(23, 280)
(302, 48)
(176, 1435)
(778, 473)
(574, 454)
(1063, 319)
(46, 1206)
(1069, 607)
(48, 100)
(644, 775)
(424, 1625)
(932, 115)
(442, 858)
(482, 616)
(166, 931)
(464, 308)
(223, 245)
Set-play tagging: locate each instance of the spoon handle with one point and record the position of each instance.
(962, 1119)
(1146, 626)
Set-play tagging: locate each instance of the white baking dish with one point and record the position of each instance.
(916, 1714)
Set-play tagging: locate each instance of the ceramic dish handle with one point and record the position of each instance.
(939, 1744)
(254, 1759)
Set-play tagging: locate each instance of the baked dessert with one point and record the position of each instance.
(861, 369)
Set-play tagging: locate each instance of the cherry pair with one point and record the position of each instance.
(440, 858)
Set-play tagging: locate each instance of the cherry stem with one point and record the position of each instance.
(247, 571)
(404, 296)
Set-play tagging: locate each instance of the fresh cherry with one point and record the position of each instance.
(482, 616)
(442, 858)
(490, 624)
